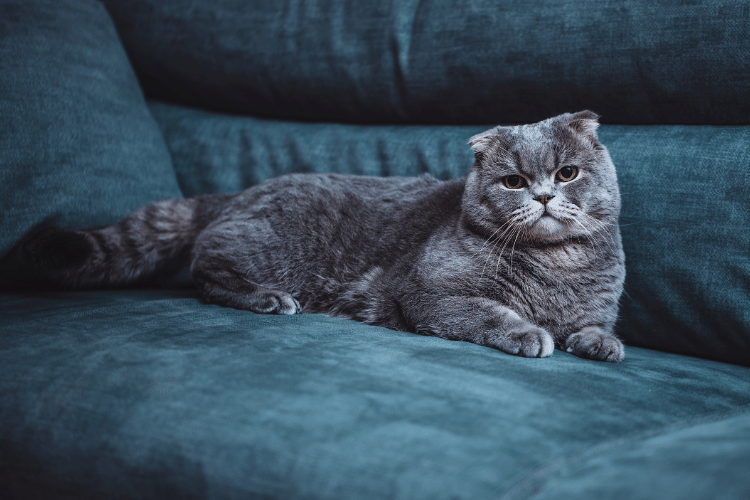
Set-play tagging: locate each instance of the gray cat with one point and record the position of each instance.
(523, 254)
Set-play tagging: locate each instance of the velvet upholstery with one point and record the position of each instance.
(153, 395)
(78, 145)
(445, 61)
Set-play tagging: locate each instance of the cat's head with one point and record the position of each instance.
(542, 183)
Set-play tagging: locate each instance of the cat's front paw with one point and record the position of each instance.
(594, 343)
(529, 341)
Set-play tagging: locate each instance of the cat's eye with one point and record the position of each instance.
(567, 174)
(514, 182)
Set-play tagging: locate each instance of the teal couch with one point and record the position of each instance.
(150, 393)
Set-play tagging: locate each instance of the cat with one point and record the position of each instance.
(523, 254)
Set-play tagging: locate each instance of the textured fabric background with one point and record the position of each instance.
(446, 61)
(154, 395)
(684, 219)
(77, 142)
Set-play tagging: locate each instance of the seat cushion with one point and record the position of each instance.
(78, 145)
(153, 394)
(445, 61)
(684, 221)
(718, 448)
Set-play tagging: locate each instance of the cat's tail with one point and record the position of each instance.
(153, 240)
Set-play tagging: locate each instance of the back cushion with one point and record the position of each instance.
(445, 61)
(78, 144)
(686, 231)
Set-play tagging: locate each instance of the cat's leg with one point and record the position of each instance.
(220, 271)
(222, 284)
(594, 342)
(484, 322)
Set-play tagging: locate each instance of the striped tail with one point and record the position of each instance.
(153, 240)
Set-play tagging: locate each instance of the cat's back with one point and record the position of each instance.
(339, 193)
(362, 186)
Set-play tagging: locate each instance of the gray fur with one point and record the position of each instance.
(467, 259)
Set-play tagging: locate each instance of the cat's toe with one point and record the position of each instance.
(273, 302)
(531, 342)
(288, 305)
(593, 343)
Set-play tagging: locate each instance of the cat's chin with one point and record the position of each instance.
(547, 224)
(548, 229)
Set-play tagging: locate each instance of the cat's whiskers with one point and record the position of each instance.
(596, 226)
(570, 212)
(591, 238)
(602, 227)
(512, 228)
(510, 231)
(491, 249)
(516, 231)
(520, 224)
(523, 230)
(493, 234)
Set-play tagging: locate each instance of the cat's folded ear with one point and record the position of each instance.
(585, 123)
(480, 143)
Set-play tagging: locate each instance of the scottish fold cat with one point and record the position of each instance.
(523, 254)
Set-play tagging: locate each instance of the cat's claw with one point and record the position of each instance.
(594, 343)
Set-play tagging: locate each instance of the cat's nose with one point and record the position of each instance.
(543, 198)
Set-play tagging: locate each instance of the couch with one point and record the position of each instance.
(150, 393)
